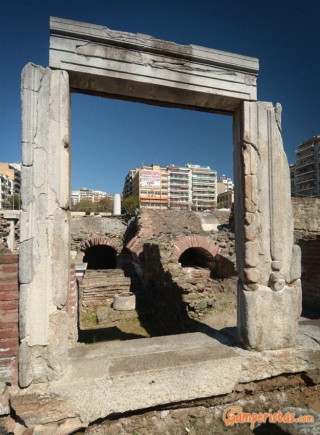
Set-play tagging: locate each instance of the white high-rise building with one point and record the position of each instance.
(179, 187)
(204, 187)
(87, 194)
(305, 174)
(10, 182)
(225, 184)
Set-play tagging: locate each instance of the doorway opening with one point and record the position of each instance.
(154, 136)
(100, 257)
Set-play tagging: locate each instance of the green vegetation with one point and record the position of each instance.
(130, 204)
(104, 205)
(12, 202)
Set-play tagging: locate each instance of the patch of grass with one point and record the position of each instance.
(89, 318)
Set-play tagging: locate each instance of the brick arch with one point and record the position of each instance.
(102, 241)
(194, 241)
(135, 247)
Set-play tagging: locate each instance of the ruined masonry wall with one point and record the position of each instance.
(73, 306)
(9, 336)
(306, 213)
(310, 250)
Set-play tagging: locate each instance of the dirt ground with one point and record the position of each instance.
(126, 325)
(204, 417)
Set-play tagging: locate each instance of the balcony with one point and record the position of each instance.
(304, 156)
(308, 180)
(302, 147)
(312, 188)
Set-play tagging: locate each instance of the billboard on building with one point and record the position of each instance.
(150, 179)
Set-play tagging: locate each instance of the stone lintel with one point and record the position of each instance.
(140, 67)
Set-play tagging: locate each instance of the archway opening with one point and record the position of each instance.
(101, 257)
(196, 257)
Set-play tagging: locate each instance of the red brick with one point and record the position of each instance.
(10, 352)
(8, 286)
(8, 325)
(8, 333)
(9, 305)
(8, 296)
(6, 361)
(9, 259)
(4, 312)
(8, 342)
(8, 277)
(9, 316)
(10, 268)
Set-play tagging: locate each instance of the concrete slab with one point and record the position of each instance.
(116, 377)
(209, 222)
(108, 378)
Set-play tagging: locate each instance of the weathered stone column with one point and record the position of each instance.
(269, 289)
(44, 239)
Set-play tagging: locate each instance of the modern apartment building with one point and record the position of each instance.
(10, 182)
(224, 184)
(192, 187)
(305, 174)
(150, 185)
(89, 195)
(127, 188)
(179, 187)
(6, 188)
(225, 199)
(204, 187)
(292, 168)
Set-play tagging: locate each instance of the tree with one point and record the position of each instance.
(130, 204)
(14, 201)
(104, 205)
(85, 205)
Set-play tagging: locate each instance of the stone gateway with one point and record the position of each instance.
(95, 60)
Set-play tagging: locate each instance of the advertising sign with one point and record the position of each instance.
(150, 179)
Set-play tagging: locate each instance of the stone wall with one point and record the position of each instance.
(4, 232)
(310, 279)
(306, 213)
(180, 293)
(86, 228)
(73, 306)
(9, 337)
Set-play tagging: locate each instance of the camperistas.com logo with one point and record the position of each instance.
(234, 415)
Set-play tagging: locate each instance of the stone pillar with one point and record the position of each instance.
(116, 204)
(44, 235)
(269, 289)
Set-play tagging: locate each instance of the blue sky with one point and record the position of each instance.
(109, 137)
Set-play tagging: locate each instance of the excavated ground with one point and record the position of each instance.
(204, 417)
(126, 325)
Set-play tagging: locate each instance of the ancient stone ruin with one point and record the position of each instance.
(86, 383)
